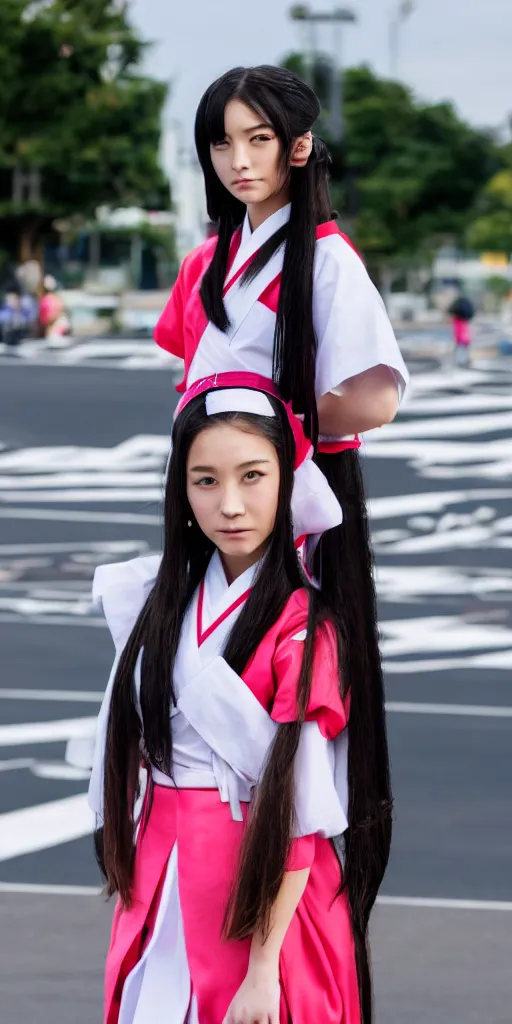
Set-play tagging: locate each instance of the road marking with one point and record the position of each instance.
(36, 828)
(46, 732)
(430, 501)
(491, 659)
(109, 363)
(471, 710)
(51, 620)
(61, 515)
(110, 548)
(149, 496)
(49, 890)
(80, 696)
(17, 764)
(46, 769)
(449, 427)
(442, 634)
(434, 903)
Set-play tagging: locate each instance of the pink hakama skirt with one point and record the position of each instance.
(317, 964)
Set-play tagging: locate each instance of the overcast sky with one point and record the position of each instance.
(450, 49)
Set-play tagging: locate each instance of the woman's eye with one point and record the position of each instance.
(206, 481)
(261, 138)
(253, 475)
(220, 144)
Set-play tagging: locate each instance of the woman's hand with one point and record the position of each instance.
(257, 1000)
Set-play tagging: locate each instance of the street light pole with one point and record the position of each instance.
(336, 17)
(398, 17)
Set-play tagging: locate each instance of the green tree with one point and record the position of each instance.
(79, 124)
(418, 167)
(491, 228)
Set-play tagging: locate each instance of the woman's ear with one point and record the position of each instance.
(301, 150)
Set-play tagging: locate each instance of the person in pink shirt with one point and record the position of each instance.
(52, 312)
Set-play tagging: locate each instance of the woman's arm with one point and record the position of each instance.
(367, 400)
(258, 997)
(266, 952)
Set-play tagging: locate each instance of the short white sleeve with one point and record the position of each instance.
(321, 793)
(350, 319)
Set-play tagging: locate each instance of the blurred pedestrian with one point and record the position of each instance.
(462, 312)
(11, 312)
(54, 320)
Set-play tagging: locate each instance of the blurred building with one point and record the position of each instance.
(180, 164)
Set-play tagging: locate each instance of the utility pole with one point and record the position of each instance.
(336, 17)
(398, 17)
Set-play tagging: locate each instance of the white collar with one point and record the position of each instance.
(251, 241)
(219, 595)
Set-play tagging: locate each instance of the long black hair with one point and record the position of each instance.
(343, 560)
(186, 554)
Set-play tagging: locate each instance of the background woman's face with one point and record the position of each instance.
(248, 159)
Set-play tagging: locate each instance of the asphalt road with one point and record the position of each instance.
(82, 446)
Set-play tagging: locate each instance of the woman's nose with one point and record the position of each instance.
(232, 504)
(240, 161)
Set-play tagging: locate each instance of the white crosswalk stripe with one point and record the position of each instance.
(121, 354)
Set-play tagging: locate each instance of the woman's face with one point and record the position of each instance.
(233, 489)
(248, 159)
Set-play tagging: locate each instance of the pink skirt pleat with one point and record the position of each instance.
(317, 965)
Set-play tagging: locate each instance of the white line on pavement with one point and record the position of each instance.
(46, 732)
(52, 620)
(49, 890)
(62, 515)
(80, 696)
(473, 710)
(434, 903)
(36, 828)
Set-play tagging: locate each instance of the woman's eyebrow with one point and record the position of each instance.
(242, 465)
(253, 462)
(255, 127)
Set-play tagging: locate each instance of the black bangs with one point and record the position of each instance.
(209, 125)
(270, 91)
(274, 93)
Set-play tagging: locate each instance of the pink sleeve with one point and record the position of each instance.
(325, 704)
(169, 329)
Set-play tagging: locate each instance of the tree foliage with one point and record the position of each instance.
(76, 114)
(417, 168)
(491, 228)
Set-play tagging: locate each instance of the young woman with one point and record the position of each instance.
(279, 290)
(229, 678)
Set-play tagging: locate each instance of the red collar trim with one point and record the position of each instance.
(202, 636)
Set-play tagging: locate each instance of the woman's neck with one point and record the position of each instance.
(260, 212)
(235, 565)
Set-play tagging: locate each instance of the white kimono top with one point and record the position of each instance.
(221, 738)
(350, 320)
(221, 731)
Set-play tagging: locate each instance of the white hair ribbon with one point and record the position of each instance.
(238, 400)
